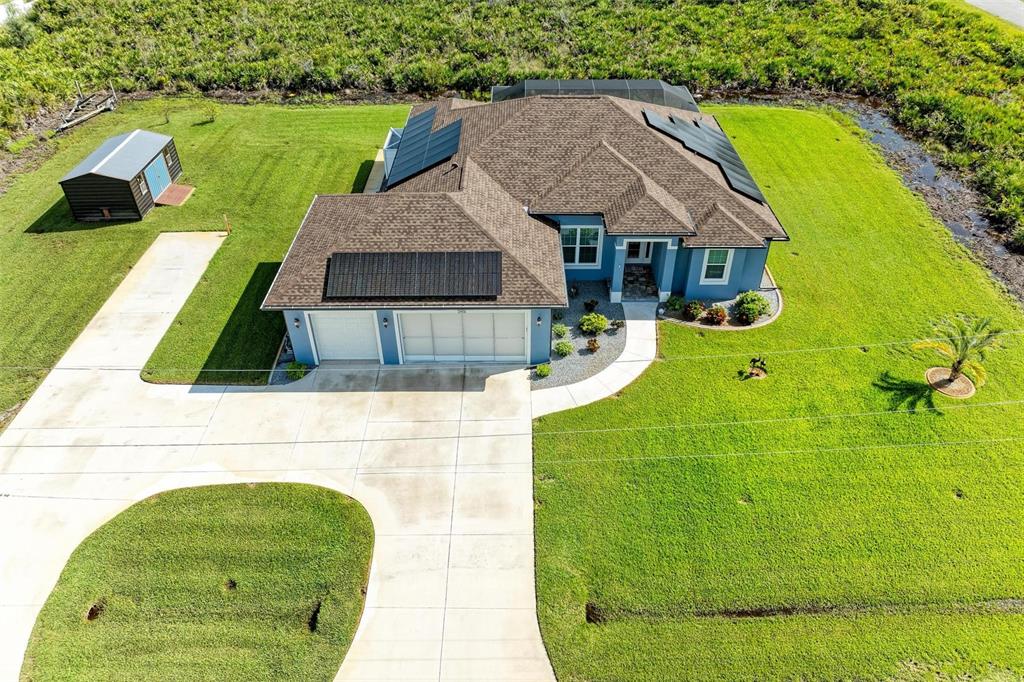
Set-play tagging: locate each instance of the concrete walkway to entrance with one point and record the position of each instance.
(440, 457)
(641, 349)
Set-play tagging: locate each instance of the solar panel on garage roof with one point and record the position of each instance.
(420, 148)
(418, 274)
(713, 145)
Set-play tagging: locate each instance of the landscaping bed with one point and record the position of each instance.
(231, 582)
(581, 363)
(837, 519)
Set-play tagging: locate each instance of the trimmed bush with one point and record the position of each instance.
(563, 348)
(543, 370)
(693, 310)
(593, 323)
(675, 303)
(559, 330)
(591, 305)
(751, 305)
(296, 370)
(715, 315)
(593, 345)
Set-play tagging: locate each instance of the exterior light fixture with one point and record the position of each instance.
(385, 323)
(296, 322)
(538, 320)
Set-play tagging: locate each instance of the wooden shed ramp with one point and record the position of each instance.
(175, 195)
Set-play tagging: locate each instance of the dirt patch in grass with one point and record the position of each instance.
(598, 615)
(230, 585)
(96, 610)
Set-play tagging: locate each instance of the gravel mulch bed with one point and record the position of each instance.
(582, 364)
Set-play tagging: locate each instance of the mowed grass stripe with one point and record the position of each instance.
(824, 516)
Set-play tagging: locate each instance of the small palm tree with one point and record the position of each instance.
(963, 341)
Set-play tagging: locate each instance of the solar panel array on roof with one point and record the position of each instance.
(652, 91)
(418, 274)
(420, 148)
(714, 146)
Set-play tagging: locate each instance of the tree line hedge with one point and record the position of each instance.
(952, 77)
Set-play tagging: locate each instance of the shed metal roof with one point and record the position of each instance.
(649, 90)
(122, 156)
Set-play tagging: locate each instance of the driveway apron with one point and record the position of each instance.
(439, 456)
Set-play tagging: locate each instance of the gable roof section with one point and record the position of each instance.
(121, 157)
(526, 146)
(398, 222)
(603, 181)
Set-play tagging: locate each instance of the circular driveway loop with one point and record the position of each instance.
(440, 457)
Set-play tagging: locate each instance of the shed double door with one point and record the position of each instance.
(158, 177)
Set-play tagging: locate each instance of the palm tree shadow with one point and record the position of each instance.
(906, 394)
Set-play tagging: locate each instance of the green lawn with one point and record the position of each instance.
(886, 559)
(258, 165)
(217, 582)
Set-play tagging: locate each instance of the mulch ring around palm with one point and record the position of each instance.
(938, 378)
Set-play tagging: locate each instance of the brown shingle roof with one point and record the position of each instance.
(412, 222)
(536, 155)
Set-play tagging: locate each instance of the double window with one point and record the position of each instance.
(581, 245)
(717, 264)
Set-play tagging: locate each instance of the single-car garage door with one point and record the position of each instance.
(345, 335)
(464, 336)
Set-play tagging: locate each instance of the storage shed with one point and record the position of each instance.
(123, 178)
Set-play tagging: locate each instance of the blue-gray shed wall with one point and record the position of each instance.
(302, 344)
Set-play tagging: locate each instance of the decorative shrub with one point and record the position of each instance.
(557, 315)
(618, 324)
(591, 305)
(693, 310)
(751, 305)
(543, 370)
(715, 315)
(593, 323)
(559, 330)
(296, 370)
(563, 348)
(674, 303)
(593, 345)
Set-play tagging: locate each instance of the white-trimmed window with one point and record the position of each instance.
(717, 264)
(581, 246)
(143, 185)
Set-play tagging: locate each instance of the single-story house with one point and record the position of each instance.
(488, 212)
(123, 177)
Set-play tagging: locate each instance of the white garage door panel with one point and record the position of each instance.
(345, 336)
(471, 336)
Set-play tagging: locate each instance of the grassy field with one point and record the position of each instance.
(258, 165)
(217, 582)
(716, 545)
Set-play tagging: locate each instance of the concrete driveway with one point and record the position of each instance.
(440, 457)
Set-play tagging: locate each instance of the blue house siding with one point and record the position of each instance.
(540, 336)
(745, 274)
(302, 345)
(388, 337)
(607, 262)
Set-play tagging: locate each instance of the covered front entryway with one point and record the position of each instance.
(345, 335)
(463, 336)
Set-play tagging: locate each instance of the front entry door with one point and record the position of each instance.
(638, 252)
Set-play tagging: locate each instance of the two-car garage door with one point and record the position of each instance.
(463, 336)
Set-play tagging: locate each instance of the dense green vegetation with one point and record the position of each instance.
(260, 166)
(219, 582)
(749, 543)
(951, 75)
